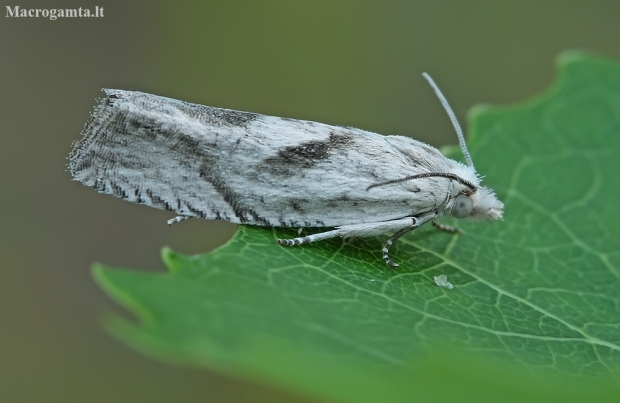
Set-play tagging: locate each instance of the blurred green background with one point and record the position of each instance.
(353, 63)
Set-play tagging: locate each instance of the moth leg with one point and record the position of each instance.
(354, 230)
(447, 228)
(389, 242)
(416, 223)
(300, 230)
(402, 226)
(309, 238)
(178, 219)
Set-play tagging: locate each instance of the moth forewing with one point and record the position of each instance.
(247, 168)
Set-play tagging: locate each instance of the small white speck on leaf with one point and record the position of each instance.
(442, 281)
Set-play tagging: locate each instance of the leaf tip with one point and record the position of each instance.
(573, 56)
(166, 252)
(171, 259)
(478, 110)
(97, 270)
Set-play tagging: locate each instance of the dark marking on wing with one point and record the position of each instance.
(245, 214)
(156, 200)
(118, 191)
(297, 205)
(195, 211)
(234, 118)
(306, 155)
(348, 201)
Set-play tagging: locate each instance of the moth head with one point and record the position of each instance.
(483, 204)
(470, 200)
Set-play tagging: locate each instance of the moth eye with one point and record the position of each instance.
(462, 206)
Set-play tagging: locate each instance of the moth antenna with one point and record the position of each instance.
(452, 116)
(446, 175)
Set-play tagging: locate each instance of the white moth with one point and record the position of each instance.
(247, 168)
(442, 281)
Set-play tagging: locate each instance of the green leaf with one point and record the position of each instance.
(536, 293)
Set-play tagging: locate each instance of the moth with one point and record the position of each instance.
(247, 168)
